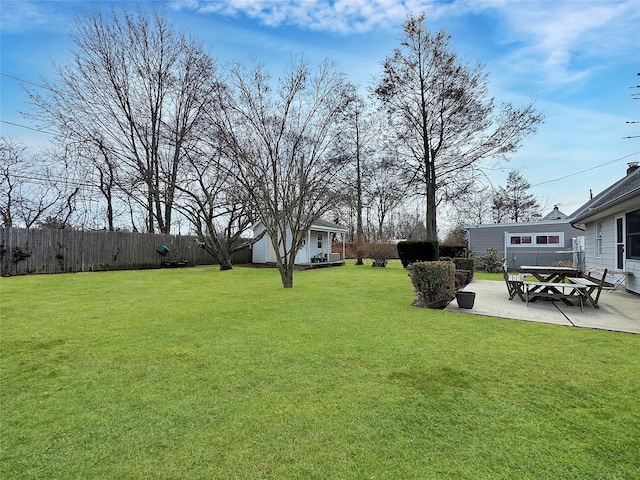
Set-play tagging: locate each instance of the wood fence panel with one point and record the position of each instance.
(24, 252)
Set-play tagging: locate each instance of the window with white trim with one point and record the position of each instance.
(633, 235)
(598, 252)
(555, 239)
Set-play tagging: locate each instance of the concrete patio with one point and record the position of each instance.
(619, 311)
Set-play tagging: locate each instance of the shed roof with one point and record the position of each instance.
(319, 224)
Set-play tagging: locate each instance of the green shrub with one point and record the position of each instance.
(434, 283)
(379, 252)
(492, 263)
(411, 251)
(463, 278)
(452, 250)
(463, 263)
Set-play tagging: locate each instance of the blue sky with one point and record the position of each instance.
(578, 59)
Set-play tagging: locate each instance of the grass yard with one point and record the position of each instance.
(202, 374)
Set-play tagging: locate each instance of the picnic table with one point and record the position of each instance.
(563, 291)
(550, 281)
(548, 273)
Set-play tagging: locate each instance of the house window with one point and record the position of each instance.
(528, 240)
(633, 235)
(598, 252)
(319, 240)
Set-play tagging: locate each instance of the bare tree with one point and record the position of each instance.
(215, 205)
(13, 176)
(385, 191)
(475, 207)
(361, 141)
(137, 91)
(514, 202)
(442, 115)
(30, 188)
(282, 140)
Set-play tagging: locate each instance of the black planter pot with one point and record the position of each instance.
(465, 299)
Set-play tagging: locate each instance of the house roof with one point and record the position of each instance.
(623, 194)
(553, 217)
(554, 214)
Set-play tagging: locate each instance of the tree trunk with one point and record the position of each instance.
(286, 273)
(224, 258)
(431, 225)
(359, 229)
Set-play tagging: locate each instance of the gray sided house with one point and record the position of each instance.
(612, 230)
(316, 251)
(547, 241)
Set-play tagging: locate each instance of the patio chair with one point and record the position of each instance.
(514, 284)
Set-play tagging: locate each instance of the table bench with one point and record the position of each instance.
(590, 287)
(535, 290)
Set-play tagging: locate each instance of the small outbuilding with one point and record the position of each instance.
(547, 241)
(317, 250)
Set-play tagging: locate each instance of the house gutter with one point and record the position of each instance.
(612, 203)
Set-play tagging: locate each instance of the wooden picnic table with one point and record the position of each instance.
(591, 291)
(548, 273)
(563, 291)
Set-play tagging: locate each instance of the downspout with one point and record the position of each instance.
(506, 255)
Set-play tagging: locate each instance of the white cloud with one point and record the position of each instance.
(549, 37)
(24, 16)
(343, 16)
(553, 38)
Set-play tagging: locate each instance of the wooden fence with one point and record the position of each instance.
(24, 252)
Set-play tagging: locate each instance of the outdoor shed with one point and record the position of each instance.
(550, 240)
(317, 250)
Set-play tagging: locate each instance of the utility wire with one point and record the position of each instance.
(30, 128)
(25, 81)
(587, 170)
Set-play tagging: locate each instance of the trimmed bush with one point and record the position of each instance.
(452, 250)
(379, 252)
(463, 263)
(434, 283)
(463, 278)
(412, 251)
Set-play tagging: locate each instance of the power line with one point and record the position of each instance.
(25, 126)
(24, 81)
(587, 170)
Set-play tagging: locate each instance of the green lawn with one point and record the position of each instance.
(197, 373)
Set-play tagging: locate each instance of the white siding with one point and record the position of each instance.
(259, 254)
(608, 258)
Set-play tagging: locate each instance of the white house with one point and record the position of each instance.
(612, 230)
(317, 249)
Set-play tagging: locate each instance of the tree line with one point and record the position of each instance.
(151, 133)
